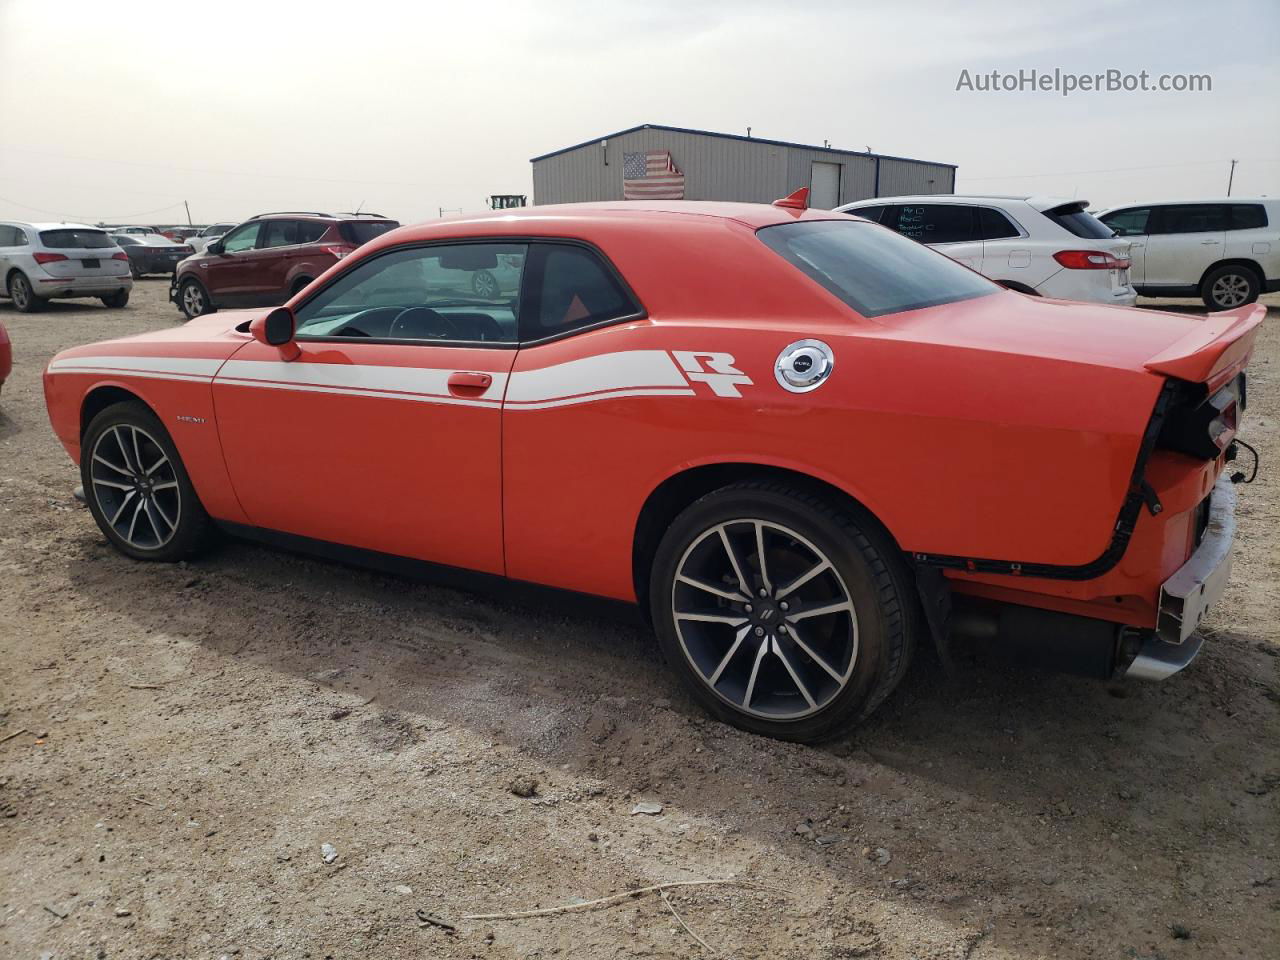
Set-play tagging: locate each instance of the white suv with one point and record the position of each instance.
(1226, 251)
(1044, 246)
(43, 261)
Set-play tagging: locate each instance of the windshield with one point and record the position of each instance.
(75, 239)
(362, 231)
(874, 270)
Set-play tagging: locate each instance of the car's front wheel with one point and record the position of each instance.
(23, 297)
(193, 299)
(1230, 286)
(785, 614)
(137, 487)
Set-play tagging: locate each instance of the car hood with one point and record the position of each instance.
(1188, 346)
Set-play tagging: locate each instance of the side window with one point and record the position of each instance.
(8, 236)
(309, 231)
(994, 225)
(869, 213)
(1195, 218)
(279, 233)
(1248, 216)
(574, 289)
(465, 292)
(935, 222)
(242, 238)
(1128, 223)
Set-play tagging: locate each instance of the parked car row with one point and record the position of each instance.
(1225, 251)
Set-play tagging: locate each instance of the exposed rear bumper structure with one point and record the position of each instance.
(1188, 594)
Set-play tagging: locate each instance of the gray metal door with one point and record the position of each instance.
(824, 185)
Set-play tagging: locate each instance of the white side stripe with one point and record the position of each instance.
(630, 373)
(608, 371)
(352, 378)
(198, 367)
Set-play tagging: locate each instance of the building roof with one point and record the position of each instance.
(733, 136)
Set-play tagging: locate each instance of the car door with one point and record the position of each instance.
(9, 248)
(384, 433)
(1131, 223)
(273, 258)
(947, 227)
(1184, 240)
(229, 274)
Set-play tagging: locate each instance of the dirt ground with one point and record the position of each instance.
(189, 736)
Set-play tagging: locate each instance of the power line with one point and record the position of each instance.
(63, 214)
(1074, 173)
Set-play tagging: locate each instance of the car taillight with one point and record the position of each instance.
(120, 256)
(338, 252)
(49, 257)
(1201, 426)
(1089, 260)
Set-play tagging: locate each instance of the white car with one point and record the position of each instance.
(1225, 251)
(201, 240)
(46, 261)
(1044, 246)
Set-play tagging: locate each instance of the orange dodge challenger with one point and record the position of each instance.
(801, 442)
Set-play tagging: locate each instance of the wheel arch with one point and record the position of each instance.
(666, 501)
(1252, 265)
(9, 276)
(102, 396)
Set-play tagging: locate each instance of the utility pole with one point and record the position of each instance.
(1231, 177)
(189, 223)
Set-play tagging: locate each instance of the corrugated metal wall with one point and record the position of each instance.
(717, 168)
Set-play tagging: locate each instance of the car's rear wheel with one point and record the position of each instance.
(117, 300)
(299, 285)
(193, 299)
(1230, 286)
(23, 297)
(137, 487)
(784, 614)
(134, 271)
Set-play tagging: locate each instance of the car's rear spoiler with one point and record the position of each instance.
(1215, 350)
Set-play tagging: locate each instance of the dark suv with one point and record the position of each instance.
(268, 258)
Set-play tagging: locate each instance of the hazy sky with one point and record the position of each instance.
(119, 111)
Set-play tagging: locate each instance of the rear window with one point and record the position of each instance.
(874, 271)
(75, 239)
(362, 231)
(1076, 220)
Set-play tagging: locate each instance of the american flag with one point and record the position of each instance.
(651, 176)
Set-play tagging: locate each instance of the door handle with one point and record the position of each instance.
(463, 380)
(1203, 242)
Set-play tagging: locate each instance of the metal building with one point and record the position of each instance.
(725, 166)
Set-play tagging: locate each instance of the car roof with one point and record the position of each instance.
(560, 218)
(56, 225)
(315, 215)
(1040, 202)
(1170, 203)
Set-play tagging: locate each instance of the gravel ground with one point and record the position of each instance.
(193, 734)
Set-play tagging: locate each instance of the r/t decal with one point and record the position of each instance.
(716, 370)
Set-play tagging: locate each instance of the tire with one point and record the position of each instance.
(299, 285)
(484, 285)
(847, 660)
(1230, 286)
(134, 271)
(147, 512)
(23, 297)
(117, 300)
(193, 299)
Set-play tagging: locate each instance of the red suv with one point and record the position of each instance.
(269, 258)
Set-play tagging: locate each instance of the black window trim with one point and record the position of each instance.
(527, 292)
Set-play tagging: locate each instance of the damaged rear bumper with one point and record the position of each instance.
(1187, 595)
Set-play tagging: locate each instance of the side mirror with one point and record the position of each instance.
(215, 247)
(276, 330)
